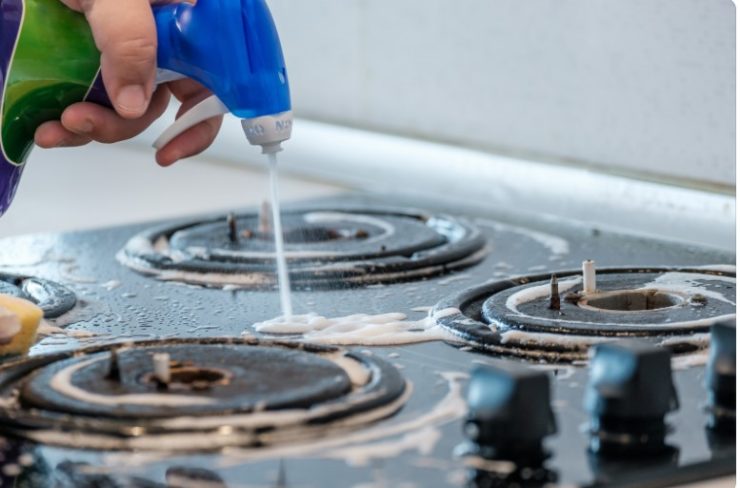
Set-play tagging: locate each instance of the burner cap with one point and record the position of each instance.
(220, 392)
(671, 307)
(54, 299)
(325, 247)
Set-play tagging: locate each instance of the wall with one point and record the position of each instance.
(642, 86)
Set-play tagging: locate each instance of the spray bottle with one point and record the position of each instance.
(49, 61)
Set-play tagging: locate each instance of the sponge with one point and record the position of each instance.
(19, 321)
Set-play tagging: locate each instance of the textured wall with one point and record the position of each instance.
(641, 85)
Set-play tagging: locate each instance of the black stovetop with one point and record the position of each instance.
(416, 446)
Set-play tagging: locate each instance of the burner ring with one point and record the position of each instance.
(72, 399)
(513, 316)
(325, 248)
(54, 299)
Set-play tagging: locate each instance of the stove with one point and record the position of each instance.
(435, 347)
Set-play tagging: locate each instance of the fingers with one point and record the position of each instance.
(191, 142)
(104, 125)
(196, 139)
(188, 91)
(53, 134)
(88, 121)
(126, 36)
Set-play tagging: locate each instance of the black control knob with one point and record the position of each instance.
(630, 391)
(720, 378)
(509, 412)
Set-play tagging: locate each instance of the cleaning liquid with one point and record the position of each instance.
(277, 225)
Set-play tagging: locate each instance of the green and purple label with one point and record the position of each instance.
(53, 64)
(48, 61)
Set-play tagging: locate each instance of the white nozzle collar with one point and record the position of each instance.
(269, 131)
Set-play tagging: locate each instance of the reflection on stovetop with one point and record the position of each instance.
(416, 441)
(53, 298)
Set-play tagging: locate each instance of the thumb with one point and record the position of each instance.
(125, 34)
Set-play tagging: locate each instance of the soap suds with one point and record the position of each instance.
(448, 409)
(111, 285)
(725, 268)
(689, 284)
(423, 441)
(454, 279)
(389, 329)
(68, 273)
(358, 374)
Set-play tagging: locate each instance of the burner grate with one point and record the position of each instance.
(325, 248)
(219, 392)
(673, 307)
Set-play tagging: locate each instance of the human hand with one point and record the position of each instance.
(126, 36)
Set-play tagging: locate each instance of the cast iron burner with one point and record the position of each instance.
(53, 298)
(672, 307)
(213, 392)
(326, 247)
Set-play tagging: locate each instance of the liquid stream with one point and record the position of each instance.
(282, 265)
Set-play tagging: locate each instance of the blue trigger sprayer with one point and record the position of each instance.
(242, 65)
(230, 46)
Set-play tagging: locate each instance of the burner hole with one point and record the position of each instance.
(632, 301)
(192, 378)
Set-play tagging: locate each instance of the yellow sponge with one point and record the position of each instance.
(29, 316)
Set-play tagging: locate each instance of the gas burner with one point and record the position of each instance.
(325, 247)
(213, 392)
(558, 316)
(53, 298)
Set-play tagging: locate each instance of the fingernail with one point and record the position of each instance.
(85, 127)
(132, 99)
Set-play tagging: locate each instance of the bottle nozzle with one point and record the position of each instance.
(269, 131)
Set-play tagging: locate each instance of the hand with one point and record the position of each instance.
(126, 36)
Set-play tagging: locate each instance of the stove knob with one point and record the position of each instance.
(509, 412)
(630, 391)
(721, 378)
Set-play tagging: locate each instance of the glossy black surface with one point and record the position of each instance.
(413, 448)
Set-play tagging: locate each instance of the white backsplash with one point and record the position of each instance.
(643, 86)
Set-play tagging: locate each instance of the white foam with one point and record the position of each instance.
(111, 285)
(689, 284)
(726, 268)
(453, 279)
(358, 374)
(388, 329)
(450, 408)
(423, 441)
